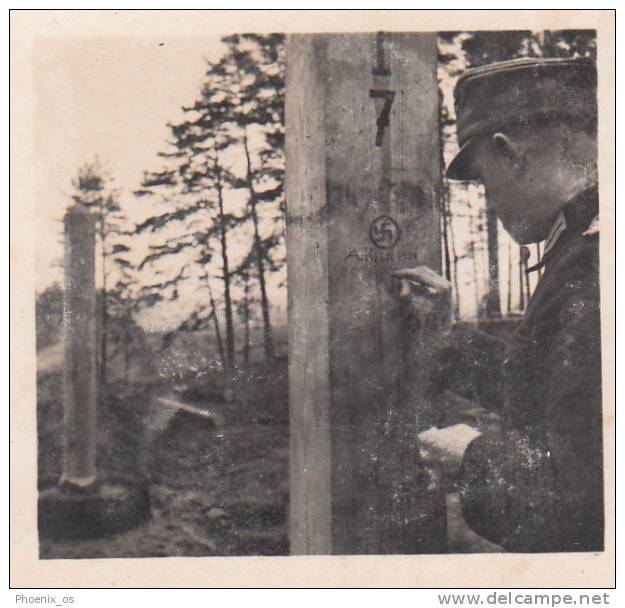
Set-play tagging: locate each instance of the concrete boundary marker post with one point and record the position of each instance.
(362, 181)
(82, 505)
(79, 372)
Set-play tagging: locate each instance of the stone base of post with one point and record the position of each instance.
(69, 512)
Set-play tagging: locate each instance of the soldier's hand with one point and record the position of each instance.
(427, 297)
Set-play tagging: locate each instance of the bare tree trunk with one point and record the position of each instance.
(226, 270)
(474, 265)
(445, 230)
(127, 342)
(451, 257)
(246, 321)
(521, 284)
(268, 340)
(525, 255)
(493, 302)
(524, 284)
(454, 253)
(220, 345)
(445, 217)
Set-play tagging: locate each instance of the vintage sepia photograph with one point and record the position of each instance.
(318, 293)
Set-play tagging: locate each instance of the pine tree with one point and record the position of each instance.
(245, 313)
(198, 179)
(230, 144)
(255, 65)
(125, 299)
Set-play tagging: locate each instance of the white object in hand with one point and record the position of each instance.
(447, 445)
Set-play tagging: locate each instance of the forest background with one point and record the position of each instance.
(197, 245)
(183, 169)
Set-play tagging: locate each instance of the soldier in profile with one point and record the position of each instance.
(527, 131)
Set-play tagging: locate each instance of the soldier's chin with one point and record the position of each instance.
(519, 237)
(524, 235)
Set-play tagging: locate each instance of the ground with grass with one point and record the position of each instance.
(214, 489)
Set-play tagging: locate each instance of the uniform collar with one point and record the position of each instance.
(559, 226)
(580, 214)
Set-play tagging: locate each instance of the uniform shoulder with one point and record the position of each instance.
(570, 282)
(578, 257)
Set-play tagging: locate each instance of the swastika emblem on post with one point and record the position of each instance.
(384, 232)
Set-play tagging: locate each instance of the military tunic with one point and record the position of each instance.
(537, 485)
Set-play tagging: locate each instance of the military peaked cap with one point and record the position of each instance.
(518, 92)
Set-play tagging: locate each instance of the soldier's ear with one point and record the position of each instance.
(508, 149)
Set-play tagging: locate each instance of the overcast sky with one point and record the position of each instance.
(110, 97)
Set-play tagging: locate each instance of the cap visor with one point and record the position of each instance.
(460, 167)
